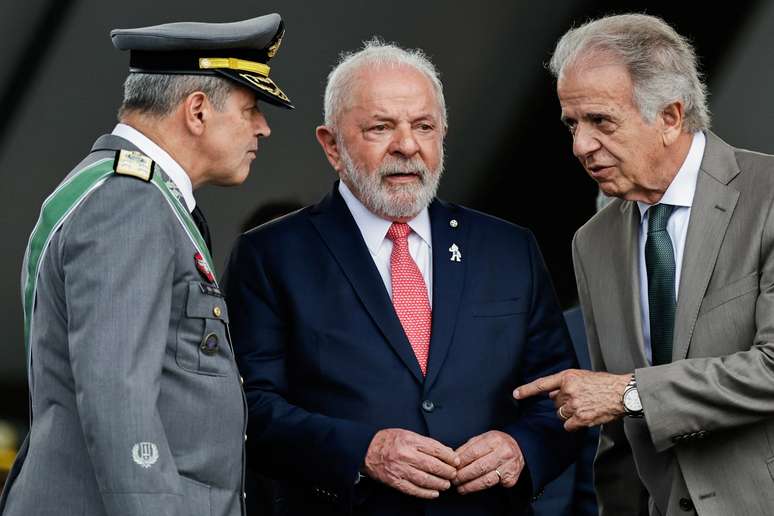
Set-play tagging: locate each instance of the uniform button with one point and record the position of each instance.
(241, 381)
(686, 504)
(217, 311)
(245, 437)
(428, 406)
(244, 495)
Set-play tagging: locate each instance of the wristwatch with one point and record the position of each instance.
(631, 399)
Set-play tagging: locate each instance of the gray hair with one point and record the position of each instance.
(375, 53)
(159, 94)
(661, 63)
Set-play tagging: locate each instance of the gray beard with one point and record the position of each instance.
(392, 201)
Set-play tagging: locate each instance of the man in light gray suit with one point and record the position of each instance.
(676, 282)
(136, 402)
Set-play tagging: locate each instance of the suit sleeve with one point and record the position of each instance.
(291, 442)
(698, 395)
(118, 264)
(548, 449)
(619, 489)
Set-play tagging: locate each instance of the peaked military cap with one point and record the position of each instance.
(238, 51)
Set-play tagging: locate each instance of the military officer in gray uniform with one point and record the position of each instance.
(136, 403)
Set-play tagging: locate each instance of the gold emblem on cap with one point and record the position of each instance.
(135, 164)
(266, 85)
(275, 46)
(217, 311)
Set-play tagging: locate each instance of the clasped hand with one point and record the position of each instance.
(420, 466)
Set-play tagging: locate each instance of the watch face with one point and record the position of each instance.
(631, 400)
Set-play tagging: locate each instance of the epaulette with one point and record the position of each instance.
(135, 164)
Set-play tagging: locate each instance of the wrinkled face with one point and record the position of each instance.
(616, 146)
(390, 141)
(231, 139)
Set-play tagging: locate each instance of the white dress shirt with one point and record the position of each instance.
(170, 167)
(680, 195)
(374, 231)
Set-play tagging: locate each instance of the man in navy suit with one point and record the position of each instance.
(381, 331)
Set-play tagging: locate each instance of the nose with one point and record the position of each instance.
(261, 126)
(584, 142)
(404, 143)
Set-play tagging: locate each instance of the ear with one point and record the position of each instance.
(196, 112)
(672, 120)
(327, 139)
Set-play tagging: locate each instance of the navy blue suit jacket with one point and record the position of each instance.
(326, 363)
(572, 494)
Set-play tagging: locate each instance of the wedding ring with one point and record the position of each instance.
(498, 474)
(561, 414)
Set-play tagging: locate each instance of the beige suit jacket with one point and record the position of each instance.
(707, 439)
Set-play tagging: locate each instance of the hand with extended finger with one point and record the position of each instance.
(411, 463)
(490, 459)
(582, 398)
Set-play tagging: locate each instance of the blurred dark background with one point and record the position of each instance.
(507, 152)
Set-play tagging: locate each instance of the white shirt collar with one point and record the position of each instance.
(374, 228)
(683, 186)
(170, 166)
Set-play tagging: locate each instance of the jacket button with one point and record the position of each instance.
(428, 406)
(686, 504)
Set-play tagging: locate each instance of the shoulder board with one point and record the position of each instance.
(135, 164)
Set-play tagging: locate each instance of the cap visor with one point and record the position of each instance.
(266, 89)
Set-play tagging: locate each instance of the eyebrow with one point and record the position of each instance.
(588, 115)
(423, 116)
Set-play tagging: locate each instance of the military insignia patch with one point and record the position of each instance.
(209, 345)
(133, 163)
(203, 268)
(145, 454)
(210, 290)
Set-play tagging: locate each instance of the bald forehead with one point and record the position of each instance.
(373, 82)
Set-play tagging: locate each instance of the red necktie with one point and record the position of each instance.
(409, 294)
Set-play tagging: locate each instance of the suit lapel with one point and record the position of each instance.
(630, 267)
(713, 207)
(448, 280)
(339, 231)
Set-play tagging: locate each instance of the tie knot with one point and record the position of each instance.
(398, 231)
(658, 216)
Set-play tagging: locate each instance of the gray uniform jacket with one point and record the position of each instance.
(129, 415)
(706, 444)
